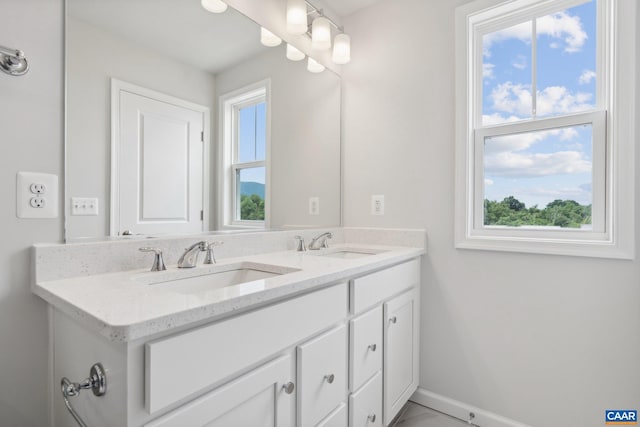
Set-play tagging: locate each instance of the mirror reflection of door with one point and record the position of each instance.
(159, 162)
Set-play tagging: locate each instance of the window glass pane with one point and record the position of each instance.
(566, 61)
(252, 133)
(506, 74)
(541, 179)
(250, 195)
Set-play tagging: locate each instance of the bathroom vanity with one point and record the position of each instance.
(274, 338)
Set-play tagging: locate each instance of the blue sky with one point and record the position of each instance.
(252, 138)
(538, 168)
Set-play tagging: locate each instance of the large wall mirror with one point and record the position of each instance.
(180, 121)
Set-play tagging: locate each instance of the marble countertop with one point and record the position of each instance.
(125, 306)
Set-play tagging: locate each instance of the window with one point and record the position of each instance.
(539, 124)
(244, 156)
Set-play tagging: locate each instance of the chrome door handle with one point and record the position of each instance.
(288, 387)
(329, 378)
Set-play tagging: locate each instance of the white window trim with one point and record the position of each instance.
(617, 239)
(227, 171)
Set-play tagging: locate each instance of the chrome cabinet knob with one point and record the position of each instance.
(288, 387)
(373, 347)
(372, 418)
(329, 378)
(394, 319)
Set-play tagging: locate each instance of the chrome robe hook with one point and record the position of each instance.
(13, 62)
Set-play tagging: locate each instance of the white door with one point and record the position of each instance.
(158, 162)
(264, 397)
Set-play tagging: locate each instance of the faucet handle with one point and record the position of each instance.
(301, 246)
(210, 257)
(158, 262)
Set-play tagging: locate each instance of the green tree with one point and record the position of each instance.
(251, 207)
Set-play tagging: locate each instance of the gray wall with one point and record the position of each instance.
(94, 56)
(545, 340)
(31, 140)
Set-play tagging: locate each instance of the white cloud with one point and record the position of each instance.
(586, 77)
(561, 26)
(516, 99)
(580, 194)
(520, 62)
(487, 70)
(488, 181)
(531, 165)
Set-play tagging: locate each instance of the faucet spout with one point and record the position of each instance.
(320, 241)
(189, 258)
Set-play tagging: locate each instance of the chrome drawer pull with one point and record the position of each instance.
(329, 378)
(372, 418)
(288, 387)
(372, 347)
(394, 319)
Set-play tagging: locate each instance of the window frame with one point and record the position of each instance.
(229, 190)
(613, 225)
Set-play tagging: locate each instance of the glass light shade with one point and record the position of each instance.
(314, 66)
(269, 39)
(297, 17)
(294, 54)
(321, 33)
(214, 6)
(342, 49)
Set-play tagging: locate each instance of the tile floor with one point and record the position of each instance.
(414, 415)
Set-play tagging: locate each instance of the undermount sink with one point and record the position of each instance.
(215, 277)
(349, 253)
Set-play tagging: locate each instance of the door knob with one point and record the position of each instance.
(288, 387)
(372, 347)
(372, 418)
(329, 378)
(394, 319)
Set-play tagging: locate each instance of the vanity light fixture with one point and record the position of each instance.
(294, 54)
(297, 17)
(214, 6)
(321, 33)
(342, 49)
(314, 66)
(269, 39)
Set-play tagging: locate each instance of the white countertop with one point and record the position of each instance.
(123, 306)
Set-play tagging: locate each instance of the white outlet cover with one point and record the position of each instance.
(314, 205)
(377, 204)
(24, 195)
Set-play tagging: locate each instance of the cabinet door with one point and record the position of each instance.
(400, 352)
(257, 399)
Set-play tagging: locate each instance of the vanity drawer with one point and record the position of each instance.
(338, 418)
(365, 405)
(365, 347)
(374, 288)
(179, 366)
(322, 375)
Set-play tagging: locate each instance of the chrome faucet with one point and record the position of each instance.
(189, 258)
(158, 262)
(320, 241)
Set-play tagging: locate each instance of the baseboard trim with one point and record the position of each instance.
(461, 410)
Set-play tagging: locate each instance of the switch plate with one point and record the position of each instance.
(377, 204)
(314, 205)
(86, 206)
(36, 195)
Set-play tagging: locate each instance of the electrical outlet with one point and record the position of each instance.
(377, 205)
(87, 206)
(37, 188)
(37, 202)
(36, 195)
(314, 205)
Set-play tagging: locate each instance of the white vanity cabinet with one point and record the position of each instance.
(344, 355)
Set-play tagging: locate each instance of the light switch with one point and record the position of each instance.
(377, 205)
(314, 205)
(36, 195)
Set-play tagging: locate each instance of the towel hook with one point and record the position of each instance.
(13, 62)
(97, 382)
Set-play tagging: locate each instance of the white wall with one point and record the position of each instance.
(305, 135)
(31, 140)
(94, 56)
(545, 340)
